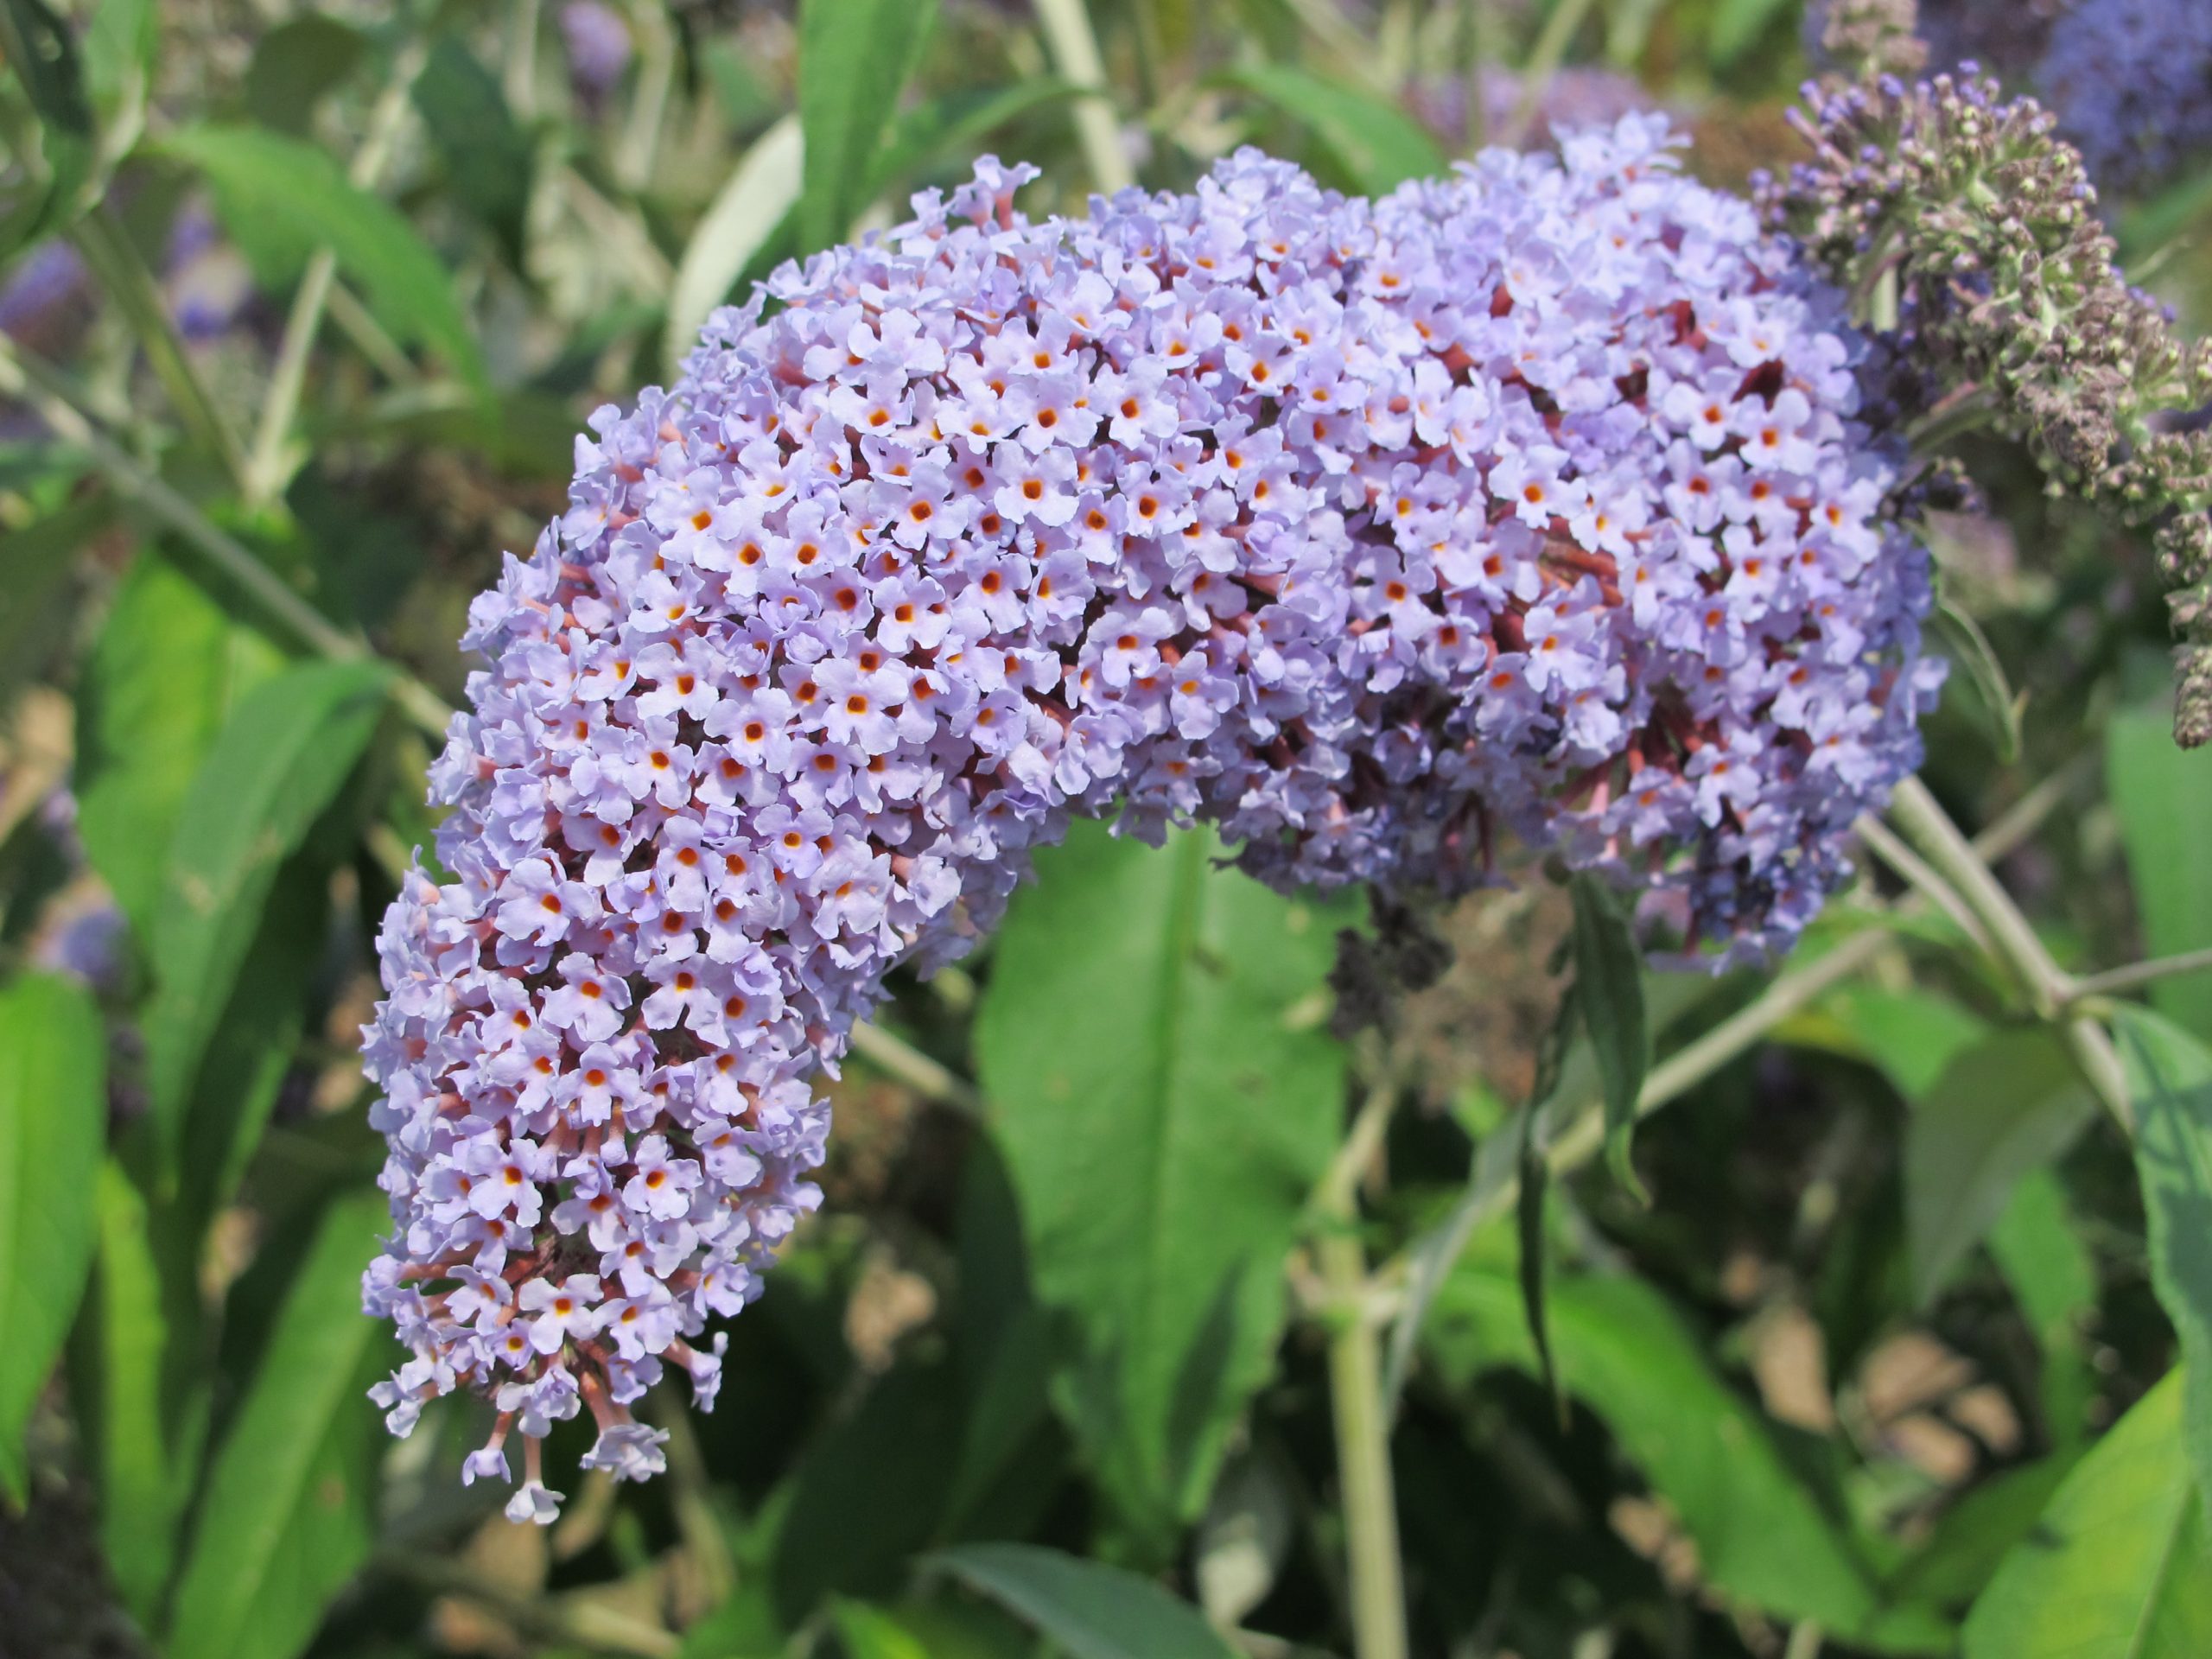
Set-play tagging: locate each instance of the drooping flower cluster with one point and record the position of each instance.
(2131, 81)
(1528, 502)
(2014, 314)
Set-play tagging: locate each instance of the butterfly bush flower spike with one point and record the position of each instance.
(1532, 502)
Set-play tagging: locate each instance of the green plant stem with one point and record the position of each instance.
(1923, 880)
(902, 1061)
(110, 255)
(2136, 975)
(640, 142)
(1362, 1429)
(1074, 47)
(267, 465)
(2049, 990)
(704, 1540)
(24, 376)
(1805, 1642)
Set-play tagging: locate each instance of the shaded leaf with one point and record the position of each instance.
(2170, 1081)
(36, 567)
(1163, 1121)
(1609, 994)
(295, 65)
(855, 56)
(488, 158)
(53, 1124)
(288, 1515)
(278, 763)
(1994, 707)
(1375, 145)
(281, 199)
(1763, 1539)
(1976, 1533)
(946, 128)
(2163, 794)
(42, 52)
(2039, 1249)
(1087, 1610)
(2003, 1107)
(2121, 1562)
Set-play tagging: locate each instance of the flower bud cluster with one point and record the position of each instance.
(1528, 502)
(2014, 312)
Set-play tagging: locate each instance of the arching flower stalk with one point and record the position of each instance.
(1530, 503)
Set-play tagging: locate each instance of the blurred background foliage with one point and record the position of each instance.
(303, 307)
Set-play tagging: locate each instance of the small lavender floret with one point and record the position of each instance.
(1532, 502)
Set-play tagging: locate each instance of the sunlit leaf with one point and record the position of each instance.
(278, 763)
(2008, 1105)
(2121, 1561)
(287, 1515)
(1085, 1609)
(167, 670)
(1164, 1116)
(53, 1124)
(2169, 1082)
(855, 56)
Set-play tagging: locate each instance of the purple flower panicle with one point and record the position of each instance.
(1531, 502)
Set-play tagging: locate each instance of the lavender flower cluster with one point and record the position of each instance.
(1531, 501)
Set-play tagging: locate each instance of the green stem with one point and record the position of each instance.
(2139, 974)
(901, 1061)
(1363, 1428)
(1074, 47)
(269, 464)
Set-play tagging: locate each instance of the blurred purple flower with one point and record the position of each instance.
(598, 43)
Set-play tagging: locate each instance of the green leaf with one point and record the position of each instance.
(855, 58)
(136, 1442)
(2008, 1105)
(869, 1633)
(488, 158)
(120, 41)
(1976, 1534)
(1910, 1036)
(757, 197)
(295, 65)
(40, 49)
(288, 1515)
(278, 763)
(1995, 709)
(2170, 1081)
(1165, 1113)
(1762, 1539)
(947, 127)
(2163, 794)
(37, 564)
(1376, 145)
(2121, 1564)
(167, 670)
(1609, 992)
(281, 199)
(53, 1124)
(1737, 27)
(1087, 1610)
